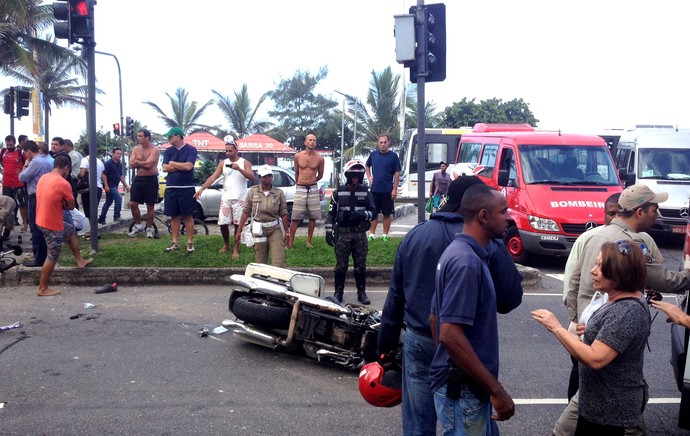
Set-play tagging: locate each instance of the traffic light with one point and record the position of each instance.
(431, 49)
(73, 20)
(22, 98)
(116, 129)
(8, 103)
(129, 127)
(436, 27)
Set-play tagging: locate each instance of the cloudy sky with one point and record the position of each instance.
(581, 65)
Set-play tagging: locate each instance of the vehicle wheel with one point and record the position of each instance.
(514, 245)
(262, 312)
(155, 229)
(198, 212)
(200, 227)
(7, 263)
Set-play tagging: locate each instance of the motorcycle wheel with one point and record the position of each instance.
(262, 312)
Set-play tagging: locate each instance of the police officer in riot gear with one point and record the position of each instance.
(349, 215)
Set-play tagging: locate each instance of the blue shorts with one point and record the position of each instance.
(179, 202)
(383, 203)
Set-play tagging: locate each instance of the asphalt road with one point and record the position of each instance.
(134, 364)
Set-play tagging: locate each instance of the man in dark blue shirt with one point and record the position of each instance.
(383, 171)
(178, 162)
(114, 174)
(409, 302)
(464, 370)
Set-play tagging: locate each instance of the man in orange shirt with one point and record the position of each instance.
(53, 195)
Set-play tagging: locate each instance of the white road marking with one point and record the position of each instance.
(555, 276)
(563, 401)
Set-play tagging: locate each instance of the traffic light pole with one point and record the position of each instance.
(421, 115)
(12, 97)
(90, 52)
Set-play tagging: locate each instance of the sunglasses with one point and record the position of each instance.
(623, 247)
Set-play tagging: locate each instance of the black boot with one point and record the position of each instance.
(339, 285)
(361, 282)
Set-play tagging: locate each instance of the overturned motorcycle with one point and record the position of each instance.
(286, 310)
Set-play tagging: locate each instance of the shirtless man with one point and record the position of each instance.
(144, 189)
(308, 170)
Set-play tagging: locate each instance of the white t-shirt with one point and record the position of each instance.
(99, 169)
(235, 184)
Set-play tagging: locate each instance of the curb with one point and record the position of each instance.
(23, 276)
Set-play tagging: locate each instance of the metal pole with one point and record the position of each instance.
(342, 141)
(421, 121)
(119, 76)
(90, 48)
(12, 105)
(354, 136)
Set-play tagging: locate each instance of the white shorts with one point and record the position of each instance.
(230, 212)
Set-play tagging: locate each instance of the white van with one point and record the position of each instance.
(659, 157)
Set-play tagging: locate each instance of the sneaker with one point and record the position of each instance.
(138, 228)
(190, 247)
(384, 237)
(371, 237)
(149, 233)
(174, 246)
(102, 222)
(117, 218)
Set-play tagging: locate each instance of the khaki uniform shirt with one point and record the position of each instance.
(265, 208)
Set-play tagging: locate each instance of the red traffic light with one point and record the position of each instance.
(116, 129)
(80, 9)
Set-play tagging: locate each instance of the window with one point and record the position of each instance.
(469, 152)
(436, 152)
(488, 160)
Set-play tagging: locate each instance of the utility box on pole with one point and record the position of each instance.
(405, 43)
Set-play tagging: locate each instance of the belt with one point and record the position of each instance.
(269, 224)
(351, 229)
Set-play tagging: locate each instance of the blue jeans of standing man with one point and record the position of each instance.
(467, 415)
(38, 242)
(110, 197)
(418, 412)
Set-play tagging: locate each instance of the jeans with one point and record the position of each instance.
(38, 242)
(110, 197)
(467, 415)
(418, 410)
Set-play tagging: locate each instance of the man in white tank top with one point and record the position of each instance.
(235, 171)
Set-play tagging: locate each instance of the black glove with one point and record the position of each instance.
(360, 215)
(329, 236)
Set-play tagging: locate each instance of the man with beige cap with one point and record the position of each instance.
(638, 209)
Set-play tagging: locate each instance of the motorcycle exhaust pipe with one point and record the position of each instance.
(252, 335)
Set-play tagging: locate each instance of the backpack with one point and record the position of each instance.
(21, 155)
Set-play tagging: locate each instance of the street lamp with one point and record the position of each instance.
(342, 136)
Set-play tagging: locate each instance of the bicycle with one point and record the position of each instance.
(200, 227)
(7, 262)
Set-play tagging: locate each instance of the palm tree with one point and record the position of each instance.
(54, 78)
(431, 115)
(20, 23)
(185, 113)
(239, 113)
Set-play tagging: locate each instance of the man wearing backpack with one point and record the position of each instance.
(12, 160)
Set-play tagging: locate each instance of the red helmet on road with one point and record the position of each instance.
(381, 388)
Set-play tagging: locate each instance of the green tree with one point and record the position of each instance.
(431, 115)
(105, 142)
(56, 80)
(298, 108)
(184, 112)
(240, 115)
(468, 113)
(20, 23)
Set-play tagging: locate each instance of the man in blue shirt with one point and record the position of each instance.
(114, 174)
(409, 302)
(464, 371)
(383, 172)
(36, 165)
(178, 162)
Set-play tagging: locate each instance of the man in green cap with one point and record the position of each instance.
(178, 162)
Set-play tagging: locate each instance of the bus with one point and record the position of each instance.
(441, 146)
